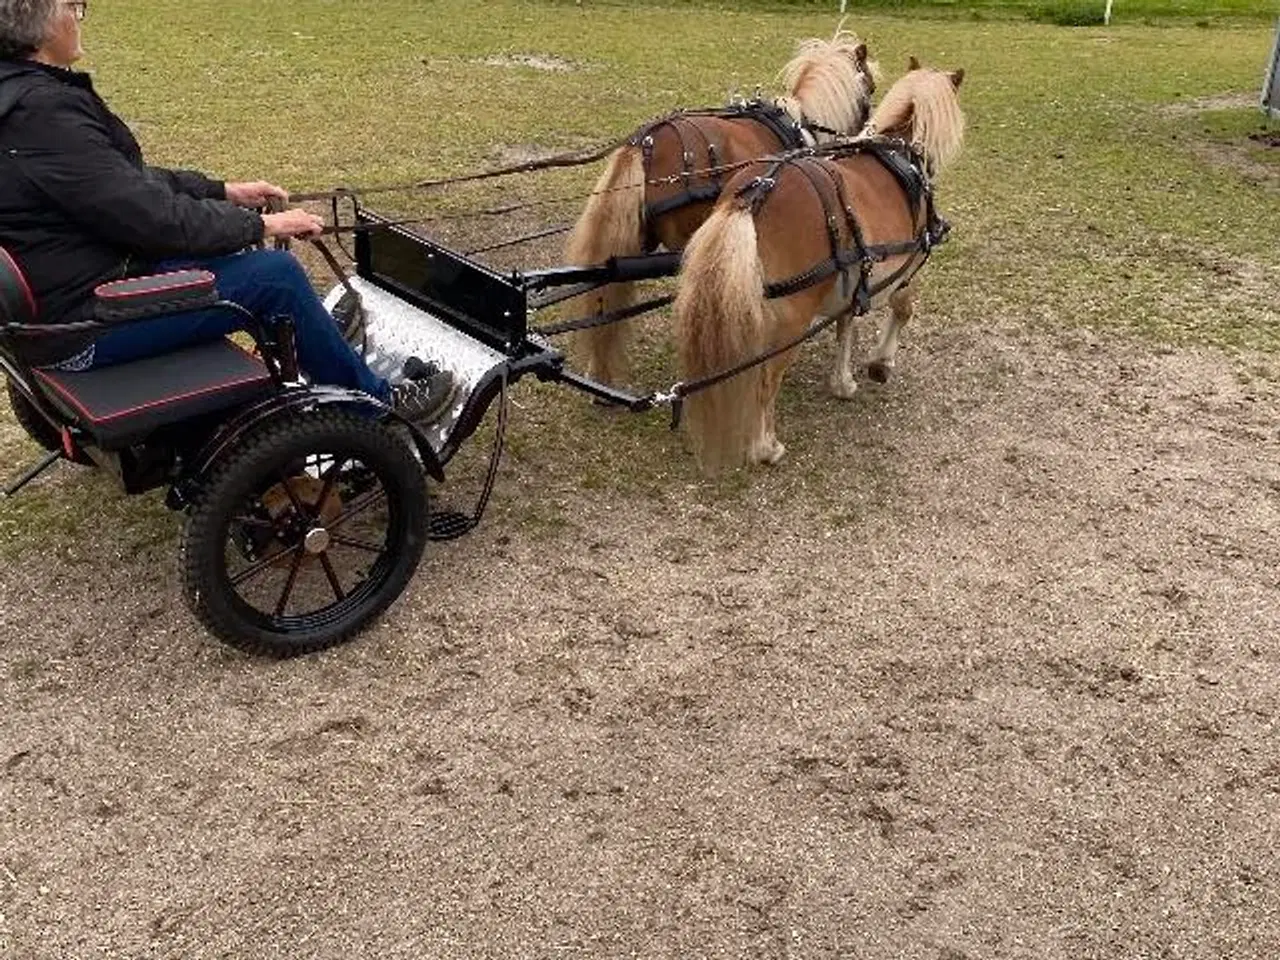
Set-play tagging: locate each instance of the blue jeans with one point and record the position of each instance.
(267, 283)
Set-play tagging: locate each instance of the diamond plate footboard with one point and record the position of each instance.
(398, 330)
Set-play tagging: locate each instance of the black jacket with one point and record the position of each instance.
(79, 206)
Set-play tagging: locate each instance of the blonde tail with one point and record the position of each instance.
(720, 321)
(611, 225)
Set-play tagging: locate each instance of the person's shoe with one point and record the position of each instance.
(348, 314)
(424, 397)
(416, 368)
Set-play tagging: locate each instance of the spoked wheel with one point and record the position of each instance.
(311, 528)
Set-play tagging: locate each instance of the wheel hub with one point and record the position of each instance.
(316, 540)
(292, 529)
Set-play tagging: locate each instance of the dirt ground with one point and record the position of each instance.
(1005, 685)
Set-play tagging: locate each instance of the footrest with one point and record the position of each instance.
(122, 404)
(396, 330)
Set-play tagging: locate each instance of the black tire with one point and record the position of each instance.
(222, 523)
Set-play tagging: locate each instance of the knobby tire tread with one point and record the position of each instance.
(203, 535)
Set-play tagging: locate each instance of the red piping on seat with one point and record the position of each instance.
(22, 279)
(70, 398)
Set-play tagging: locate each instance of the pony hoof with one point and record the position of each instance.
(879, 371)
(843, 389)
(773, 454)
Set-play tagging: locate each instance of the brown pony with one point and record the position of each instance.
(660, 186)
(803, 238)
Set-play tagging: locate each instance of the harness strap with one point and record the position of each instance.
(752, 194)
(815, 127)
(918, 192)
(646, 151)
(771, 117)
(711, 154)
(700, 194)
(901, 275)
(841, 257)
(847, 257)
(862, 296)
(358, 328)
(686, 155)
(806, 166)
(605, 318)
(684, 389)
(802, 281)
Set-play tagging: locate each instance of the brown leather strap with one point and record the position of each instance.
(358, 328)
(573, 159)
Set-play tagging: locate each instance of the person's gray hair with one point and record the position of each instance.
(24, 25)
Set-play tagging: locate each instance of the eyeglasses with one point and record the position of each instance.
(78, 7)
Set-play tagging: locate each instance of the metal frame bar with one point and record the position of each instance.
(1270, 98)
(614, 270)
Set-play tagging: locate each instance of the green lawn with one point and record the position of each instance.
(1108, 179)
(1063, 12)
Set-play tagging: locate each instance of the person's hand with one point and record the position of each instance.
(291, 223)
(256, 193)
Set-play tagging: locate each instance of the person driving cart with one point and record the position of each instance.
(79, 207)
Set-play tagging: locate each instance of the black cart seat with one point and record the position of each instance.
(120, 405)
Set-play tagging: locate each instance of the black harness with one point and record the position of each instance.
(779, 123)
(819, 168)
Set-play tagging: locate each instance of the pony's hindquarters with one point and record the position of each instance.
(611, 225)
(720, 322)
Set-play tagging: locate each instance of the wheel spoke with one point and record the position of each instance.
(357, 506)
(251, 571)
(357, 543)
(330, 482)
(333, 577)
(254, 522)
(298, 508)
(288, 584)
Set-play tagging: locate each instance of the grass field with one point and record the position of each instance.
(1059, 12)
(984, 670)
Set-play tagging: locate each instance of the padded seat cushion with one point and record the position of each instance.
(119, 405)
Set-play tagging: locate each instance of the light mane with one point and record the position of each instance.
(922, 108)
(825, 85)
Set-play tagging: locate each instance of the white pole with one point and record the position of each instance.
(1106, 17)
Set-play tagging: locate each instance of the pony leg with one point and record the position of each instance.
(841, 383)
(611, 224)
(766, 448)
(901, 306)
(606, 347)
